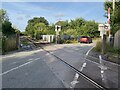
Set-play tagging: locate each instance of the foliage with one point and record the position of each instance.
(38, 20)
(8, 33)
(111, 49)
(115, 17)
(25, 42)
(77, 23)
(7, 28)
(3, 16)
(98, 46)
(64, 24)
(36, 26)
(80, 27)
(71, 32)
(8, 44)
(74, 28)
(6, 25)
(51, 29)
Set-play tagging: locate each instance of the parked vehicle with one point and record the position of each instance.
(85, 39)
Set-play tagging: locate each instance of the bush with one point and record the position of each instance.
(98, 46)
(62, 41)
(25, 42)
(68, 41)
(74, 41)
(113, 50)
(109, 49)
(8, 44)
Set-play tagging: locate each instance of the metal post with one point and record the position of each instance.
(56, 37)
(104, 44)
(113, 6)
(18, 40)
(109, 21)
(57, 29)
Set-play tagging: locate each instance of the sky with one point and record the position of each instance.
(20, 12)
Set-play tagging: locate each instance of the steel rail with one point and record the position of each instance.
(93, 82)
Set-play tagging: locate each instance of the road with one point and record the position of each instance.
(40, 69)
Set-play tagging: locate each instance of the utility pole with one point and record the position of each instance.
(113, 7)
(104, 44)
(57, 29)
(109, 22)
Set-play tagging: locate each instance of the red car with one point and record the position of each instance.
(85, 39)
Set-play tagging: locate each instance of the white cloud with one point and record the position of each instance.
(59, 15)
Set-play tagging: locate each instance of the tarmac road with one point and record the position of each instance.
(39, 69)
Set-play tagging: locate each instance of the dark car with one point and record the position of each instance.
(85, 39)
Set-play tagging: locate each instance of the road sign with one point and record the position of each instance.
(57, 28)
(103, 28)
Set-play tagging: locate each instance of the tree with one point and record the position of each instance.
(36, 25)
(80, 27)
(64, 24)
(115, 18)
(6, 25)
(78, 22)
(51, 29)
(40, 29)
(38, 20)
(3, 16)
(90, 28)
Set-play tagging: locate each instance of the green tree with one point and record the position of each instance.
(40, 29)
(77, 23)
(38, 20)
(51, 29)
(80, 27)
(90, 28)
(6, 25)
(36, 24)
(3, 16)
(115, 18)
(64, 24)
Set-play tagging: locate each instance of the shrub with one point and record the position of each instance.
(8, 44)
(113, 50)
(98, 46)
(67, 41)
(74, 41)
(62, 41)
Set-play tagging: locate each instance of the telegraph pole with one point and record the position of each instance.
(109, 20)
(57, 29)
(113, 7)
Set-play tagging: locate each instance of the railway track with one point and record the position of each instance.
(87, 78)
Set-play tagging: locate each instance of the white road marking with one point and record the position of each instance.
(102, 71)
(19, 66)
(84, 65)
(100, 59)
(30, 59)
(89, 50)
(74, 82)
(20, 61)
